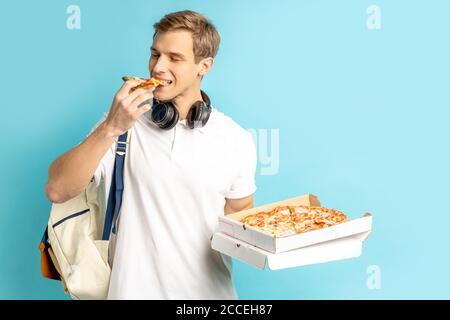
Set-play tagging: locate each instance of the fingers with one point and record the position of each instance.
(129, 99)
(142, 104)
(137, 102)
(124, 91)
(140, 99)
(140, 111)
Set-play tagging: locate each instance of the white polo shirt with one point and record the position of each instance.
(175, 185)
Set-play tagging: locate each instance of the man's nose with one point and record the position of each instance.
(160, 65)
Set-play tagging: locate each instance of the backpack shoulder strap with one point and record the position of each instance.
(116, 189)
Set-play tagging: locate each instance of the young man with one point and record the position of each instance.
(177, 181)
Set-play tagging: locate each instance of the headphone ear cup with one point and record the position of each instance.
(165, 115)
(198, 115)
(174, 117)
(194, 115)
(205, 115)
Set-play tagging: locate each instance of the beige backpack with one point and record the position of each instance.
(74, 248)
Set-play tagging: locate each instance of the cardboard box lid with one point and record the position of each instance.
(306, 200)
(339, 249)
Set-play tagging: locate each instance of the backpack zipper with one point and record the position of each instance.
(70, 217)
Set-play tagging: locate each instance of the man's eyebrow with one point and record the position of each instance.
(176, 54)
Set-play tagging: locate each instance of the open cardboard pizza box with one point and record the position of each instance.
(342, 241)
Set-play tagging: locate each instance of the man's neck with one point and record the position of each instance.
(184, 102)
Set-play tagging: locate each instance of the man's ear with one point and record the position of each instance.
(205, 65)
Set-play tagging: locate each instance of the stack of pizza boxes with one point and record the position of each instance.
(258, 248)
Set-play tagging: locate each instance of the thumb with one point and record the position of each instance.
(146, 107)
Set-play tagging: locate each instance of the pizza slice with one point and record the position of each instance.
(147, 83)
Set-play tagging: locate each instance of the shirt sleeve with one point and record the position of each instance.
(244, 182)
(106, 165)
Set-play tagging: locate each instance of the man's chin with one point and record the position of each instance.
(162, 96)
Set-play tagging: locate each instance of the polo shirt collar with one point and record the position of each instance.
(184, 124)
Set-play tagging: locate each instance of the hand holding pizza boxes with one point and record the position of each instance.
(290, 233)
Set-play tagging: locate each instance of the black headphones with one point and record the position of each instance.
(165, 115)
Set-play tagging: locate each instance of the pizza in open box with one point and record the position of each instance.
(290, 220)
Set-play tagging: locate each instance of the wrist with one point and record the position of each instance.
(107, 131)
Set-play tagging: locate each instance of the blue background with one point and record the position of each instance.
(362, 117)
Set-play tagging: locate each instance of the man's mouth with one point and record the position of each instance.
(164, 82)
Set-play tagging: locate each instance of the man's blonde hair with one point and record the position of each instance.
(205, 37)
